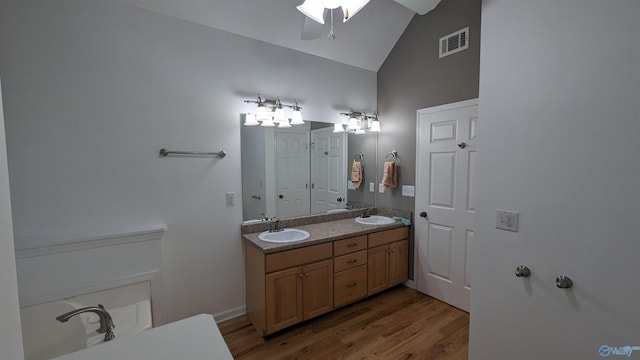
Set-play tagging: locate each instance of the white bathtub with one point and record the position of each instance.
(44, 337)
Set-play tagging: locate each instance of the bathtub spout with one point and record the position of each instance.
(106, 323)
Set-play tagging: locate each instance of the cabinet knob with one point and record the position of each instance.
(350, 245)
(523, 271)
(352, 261)
(307, 274)
(301, 276)
(352, 284)
(564, 282)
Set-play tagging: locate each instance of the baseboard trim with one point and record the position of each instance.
(230, 313)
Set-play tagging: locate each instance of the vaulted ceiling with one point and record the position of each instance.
(364, 41)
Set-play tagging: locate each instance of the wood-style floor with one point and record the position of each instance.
(400, 323)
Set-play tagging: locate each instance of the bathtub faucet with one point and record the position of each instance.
(106, 323)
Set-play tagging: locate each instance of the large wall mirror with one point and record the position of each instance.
(305, 169)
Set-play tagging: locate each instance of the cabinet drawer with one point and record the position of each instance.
(296, 257)
(388, 236)
(346, 246)
(350, 285)
(349, 261)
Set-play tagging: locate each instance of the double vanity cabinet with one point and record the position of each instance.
(288, 285)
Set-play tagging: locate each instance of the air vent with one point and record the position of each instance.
(454, 42)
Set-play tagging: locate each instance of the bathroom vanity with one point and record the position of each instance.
(341, 262)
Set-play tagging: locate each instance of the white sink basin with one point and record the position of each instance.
(284, 236)
(375, 220)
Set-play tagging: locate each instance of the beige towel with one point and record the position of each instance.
(356, 174)
(390, 175)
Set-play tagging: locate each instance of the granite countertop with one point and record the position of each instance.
(320, 233)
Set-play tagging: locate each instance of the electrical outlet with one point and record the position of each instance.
(372, 187)
(231, 198)
(408, 190)
(380, 188)
(507, 220)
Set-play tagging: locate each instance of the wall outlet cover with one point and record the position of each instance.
(408, 190)
(380, 188)
(231, 198)
(507, 220)
(372, 187)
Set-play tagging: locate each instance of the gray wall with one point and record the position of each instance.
(414, 77)
(92, 91)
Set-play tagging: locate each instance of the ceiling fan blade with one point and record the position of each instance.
(311, 29)
(419, 6)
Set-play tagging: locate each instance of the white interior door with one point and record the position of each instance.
(328, 170)
(292, 167)
(446, 163)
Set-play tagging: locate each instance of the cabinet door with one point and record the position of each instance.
(317, 288)
(378, 269)
(283, 298)
(398, 262)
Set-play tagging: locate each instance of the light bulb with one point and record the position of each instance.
(296, 117)
(337, 128)
(279, 116)
(250, 120)
(375, 126)
(353, 123)
(284, 124)
(268, 122)
(261, 113)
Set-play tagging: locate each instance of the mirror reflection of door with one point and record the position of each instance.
(292, 167)
(328, 170)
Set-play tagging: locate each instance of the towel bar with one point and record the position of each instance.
(165, 152)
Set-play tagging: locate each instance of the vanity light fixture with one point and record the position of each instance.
(337, 128)
(360, 122)
(270, 113)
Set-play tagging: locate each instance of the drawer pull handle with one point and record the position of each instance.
(352, 284)
(350, 245)
(306, 274)
(352, 261)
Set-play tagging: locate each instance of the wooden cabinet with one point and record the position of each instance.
(287, 287)
(388, 259)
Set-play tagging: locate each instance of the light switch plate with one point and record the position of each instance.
(372, 187)
(380, 188)
(231, 198)
(350, 185)
(507, 220)
(408, 190)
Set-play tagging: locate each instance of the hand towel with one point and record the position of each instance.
(390, 175)
(356, 174)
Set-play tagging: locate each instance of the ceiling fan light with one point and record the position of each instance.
(352, 7)
(337, 128)
(313, 9)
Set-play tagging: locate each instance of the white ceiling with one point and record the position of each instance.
(364, 41)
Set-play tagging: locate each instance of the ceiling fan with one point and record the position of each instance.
(316, 12)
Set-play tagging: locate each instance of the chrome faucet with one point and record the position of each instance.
(366, 213)
(276, 226)
(106, 323)
(264, 217)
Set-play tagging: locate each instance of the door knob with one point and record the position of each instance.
(564, 282)
(281, 196)
(339, 199)
(462, 145)
(523, 271)
(423, 214)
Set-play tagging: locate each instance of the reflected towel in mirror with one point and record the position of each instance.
(356, 174)
(390, 175)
